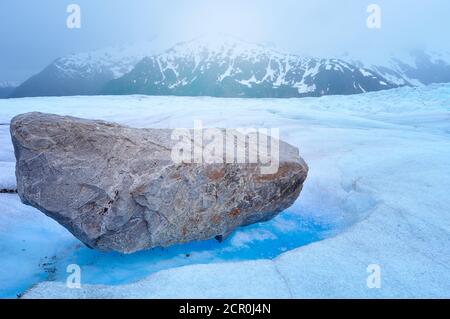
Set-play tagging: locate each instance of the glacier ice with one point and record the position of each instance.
(377, 194)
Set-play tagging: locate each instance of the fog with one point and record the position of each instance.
(33, 33)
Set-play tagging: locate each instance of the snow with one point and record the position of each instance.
(366, 73)
(7, 177)
(219, 281)
(305, 88)
(391, 66)
(8, 84)
(7, 159)
(119, 60)
(377, 193)
(280, 68)
(28, 244)
(225, 46)
(249, 81)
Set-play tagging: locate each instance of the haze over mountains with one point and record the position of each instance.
(83, 73)
(229, 68)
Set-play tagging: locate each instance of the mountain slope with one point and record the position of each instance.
(83, 74)
(6, 88)
(232, 68)
(226, 67)
(414, 68)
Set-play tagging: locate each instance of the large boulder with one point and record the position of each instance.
(118, 188)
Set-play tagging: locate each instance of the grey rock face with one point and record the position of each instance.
(116, 188)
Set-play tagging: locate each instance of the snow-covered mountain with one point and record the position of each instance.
(84, 73)
(228, 67)
(410, 68)
(234, 68)
(7, 87)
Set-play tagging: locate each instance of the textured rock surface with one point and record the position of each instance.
(116, 188)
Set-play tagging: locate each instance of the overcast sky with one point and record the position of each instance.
(34, 32)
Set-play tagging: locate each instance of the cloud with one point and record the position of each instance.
(33, 33)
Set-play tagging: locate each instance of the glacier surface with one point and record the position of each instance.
(377, 193)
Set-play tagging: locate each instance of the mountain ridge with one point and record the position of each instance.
(83, 73)
(233, 68)
(7, 87)
(228, 67)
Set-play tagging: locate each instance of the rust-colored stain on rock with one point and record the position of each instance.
(215, 174)
(235, 213)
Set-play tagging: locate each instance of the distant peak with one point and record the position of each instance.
(222, 43)
(10, 84)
